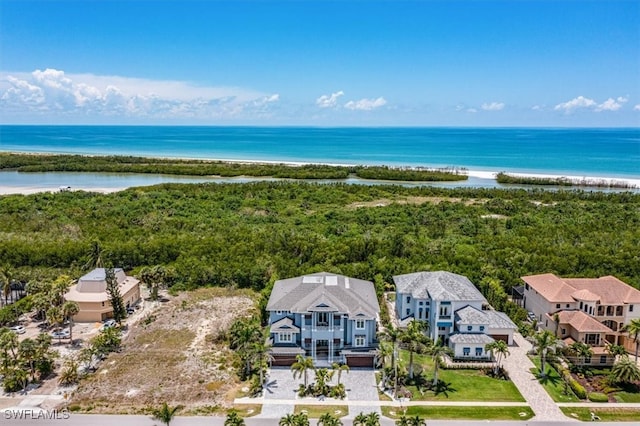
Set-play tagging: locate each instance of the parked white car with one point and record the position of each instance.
(61, 334)
(18, 329)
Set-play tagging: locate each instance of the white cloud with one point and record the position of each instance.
(575, 103)
(636, 108)
(366, 104)
(611, 104)
(493, 106)
(536, 108)
(54, 91)
(581, 102)
(329, 101)
(472, 110)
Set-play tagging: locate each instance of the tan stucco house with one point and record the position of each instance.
(588, 310)
(90, 293)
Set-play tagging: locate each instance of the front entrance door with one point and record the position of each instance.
(322, 349)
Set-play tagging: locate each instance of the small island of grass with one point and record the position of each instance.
(505, 178)
(31, 163)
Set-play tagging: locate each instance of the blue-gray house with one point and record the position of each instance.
(329, 317)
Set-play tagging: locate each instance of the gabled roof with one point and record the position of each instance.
(581, 322)
(284, 325)
(607, 290)
(325, 292)
(440, 285)
(500, 320)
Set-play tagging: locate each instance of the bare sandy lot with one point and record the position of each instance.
(170, 355)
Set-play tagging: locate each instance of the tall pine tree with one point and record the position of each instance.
(119, 312)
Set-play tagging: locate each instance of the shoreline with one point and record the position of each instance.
(478, 175)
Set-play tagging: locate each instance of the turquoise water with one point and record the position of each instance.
(583, 152)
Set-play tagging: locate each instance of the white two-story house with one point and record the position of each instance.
(329, 317)
(457, 313)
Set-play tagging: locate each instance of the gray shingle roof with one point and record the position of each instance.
(325, 292)
(494, 319)
(470, 315)
(500, 320)
(470, 338)
(440, 285)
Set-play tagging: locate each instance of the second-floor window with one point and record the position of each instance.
(444, 311)
(285, 337)
(466, 351)
(482, 328)
(360, 340)
(360, 324)
(469, 328)
(323, 319)
(478, 351)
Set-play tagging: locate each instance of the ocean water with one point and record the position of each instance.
(581, 152)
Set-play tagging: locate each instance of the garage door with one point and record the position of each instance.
(360, 361)
(283, 360)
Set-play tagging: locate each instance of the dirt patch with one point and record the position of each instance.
(382, 202)
(172, 359)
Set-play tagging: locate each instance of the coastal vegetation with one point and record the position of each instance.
(248, 235)
(561, 181)
(127, 164)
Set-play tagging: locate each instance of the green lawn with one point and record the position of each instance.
(462, 385)
(623, 396)
(315, 411)
(605, 414)
(462, 413)
(247, 410)
(553, 383)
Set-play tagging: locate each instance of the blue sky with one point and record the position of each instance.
(419, 63)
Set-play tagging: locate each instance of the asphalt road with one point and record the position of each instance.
(34, 419)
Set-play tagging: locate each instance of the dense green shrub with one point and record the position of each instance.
(577, 388)
(598, 397)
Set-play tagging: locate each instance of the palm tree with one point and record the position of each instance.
(581, 351)
(339, 368)
(28, 351)
(392, 335)
(165, 413)
(616, 351)
(633, 328)
(499, 350)
(437, 350)
(94, 256)
(261, 354)
(299, 419)
(234, 419)
(384, 353)
(373, 419)
(69, 310)
(328, 420)
(411, 421)
(69, 372)
(360, 419)
(243, 335)
(543, 342)
(414, 340)
(301, 368)
(625, 371)
(6, 277)
(322, 377)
